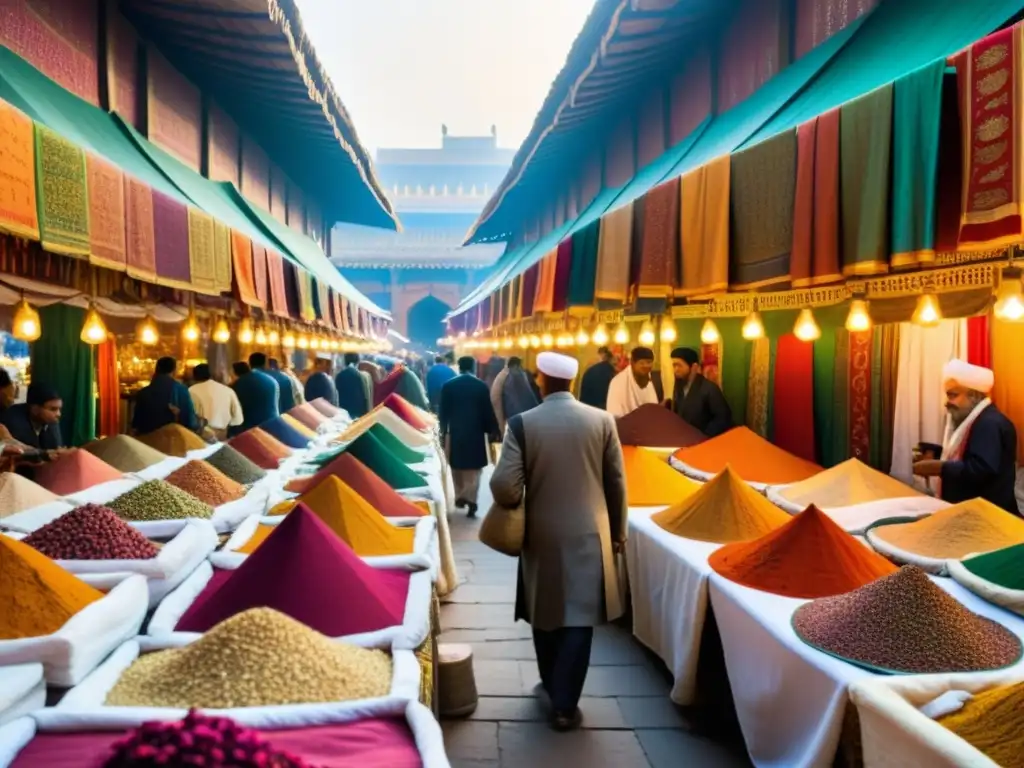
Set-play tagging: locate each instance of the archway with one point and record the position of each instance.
(425, 320)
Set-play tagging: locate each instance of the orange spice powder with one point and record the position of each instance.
(751, 456)
(651, 482)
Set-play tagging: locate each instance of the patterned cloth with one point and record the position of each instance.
(141, 257)
(705, 228)
(201, 252)
(221, 256)
(241, 258)
(659, 248)
(613, 249)
(815, 256)
(19, 214)
(171, 230)
(275, 275)
(861, 358)
(760, 386)
(107, 224)
(62, 191)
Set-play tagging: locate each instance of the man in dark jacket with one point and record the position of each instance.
(598, 377)
(321, 382)
(259, 395)
(165, 400)
(467, 425)
(354, 387)
(979, 450)
(285, 396)
(697, 400)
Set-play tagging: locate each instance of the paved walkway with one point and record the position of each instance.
(629, 721)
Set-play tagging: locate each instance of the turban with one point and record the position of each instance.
(971, 376)
(687, 355)
(557, 366)
(641, 353)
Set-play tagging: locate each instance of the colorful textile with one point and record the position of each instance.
(170, 228)
(1008, 366)
(19, 214)
(322, 296)
(62, 194)
(815, 256)
(63, 361)
(793, 397)
(917, 118)
(762, 186)
(563, 271)
(529, 292)
(949, 193)
(275, 277)
(883, 394)
(704, 224)
(711, 362)
(108, 387)
(989, 73)
(861, 358)
(865, 139)
(979, 343)
(141, 259)
(107, 225)
(659, 244)
(760, 387)
(839, 450)
(202, 257)
(221, 256)
(241, 258)
(583, 277)
(306, 288)
(260, 275)
(614, 246)
(544, 302)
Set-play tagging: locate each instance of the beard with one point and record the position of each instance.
(958, 415)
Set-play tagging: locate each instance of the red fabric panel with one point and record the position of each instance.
(793, 397)
(620, 154)
(754, 49)
(690, 96)
(979, 344)
(818, 20)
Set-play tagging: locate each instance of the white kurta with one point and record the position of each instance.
(625, 395)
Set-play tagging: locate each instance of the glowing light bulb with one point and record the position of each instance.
(190, 329)
(1010, 298)
(600, 335)
(806, 327)
(314, 344)
(709, 332)
(288, 340)
(753, 327)
(508, 342)
(246, 335)
(261, 337)
(221, 332)
(858, 320)
(547, 341)
(146, 331)
(582, 338)
(273, 337)
(621, 334)
(535, 341)
(93, 329)
(668, 330)
(524, 342)
(647, 337)
(302, 342)
(26, 325)
(927, 313)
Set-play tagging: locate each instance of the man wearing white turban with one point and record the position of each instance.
(979, 449)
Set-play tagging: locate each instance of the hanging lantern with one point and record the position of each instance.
(221, 332)
(535, 341)
(508, 342)
(709, 332)
(245, 332)
(668, 330)
(622, 333)
(190, 331)
(858, 320)
(547, 341)
(582, 337)
(927, 313)
(646, 337)
(94, 331)
(1010, 297)
(524, 342)
(146, 331)
(288, 340)
(753, 327)
(273, 337)
(26, 326)
(261, 337)
(806, 327)
(600, 335)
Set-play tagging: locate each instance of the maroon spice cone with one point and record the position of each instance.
(361, 479)
(654, 426)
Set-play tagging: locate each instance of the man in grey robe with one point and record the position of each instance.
(512, 392)
(697, 400)
(562, 460)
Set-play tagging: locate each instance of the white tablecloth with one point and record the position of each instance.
(668, 578)
(791, 699)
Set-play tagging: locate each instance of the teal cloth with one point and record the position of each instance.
(583, 272)
(383, 463)
(917, 109)
(62, 361)
(402, 452)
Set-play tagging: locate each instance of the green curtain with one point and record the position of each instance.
(61, 360)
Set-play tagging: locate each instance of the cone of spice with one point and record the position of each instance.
(173, 440)
(355, 429)
(846, 484)
(257, 658)
(260, 448)
(651, 482)
(324, 407)
(308, 416)
(407, 412)
(75, 471)
(158, 500)
(37, 596)
(279, 429)
(18, 493)
(209, 485)
(400, 429)
(655, 426)
(91, 532)
(401, 451)
(350, 516)
(236, 466)
(357, 476)
(905, 624)
(298, 426)
(997, 577)
(808, 557)
(125, 453)
(993, 723)
(751, 456)
(371, 452)
(722, 510)
(306, 572)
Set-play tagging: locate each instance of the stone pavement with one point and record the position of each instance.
(629, 721)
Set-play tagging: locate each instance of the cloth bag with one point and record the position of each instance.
(503, 529)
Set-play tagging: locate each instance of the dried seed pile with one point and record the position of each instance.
(74, 472)
(157, 500)
(18, 493)
(324, 407)
(236, 466)
(174, 440)
(1004, 567)
(993, 723)
(209, 485)
(657, 427)
(256, 658)
(125, 453)
(91, 532)
(904, 623)
(968, 528)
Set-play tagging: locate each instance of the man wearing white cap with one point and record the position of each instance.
(979, 449)
(562, 460)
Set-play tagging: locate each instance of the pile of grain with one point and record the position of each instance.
(257, 658)
(751, 456)
(657, 427)
(260, 448)
(157, 500)
(236, 466)
(209, 485)
(651, 482)
(298, 426)
(174, 440)
(18, 493)
(91, 532)
(125, 453)
(993, 723)
(968, 528)
(74, 472)
(846, 484)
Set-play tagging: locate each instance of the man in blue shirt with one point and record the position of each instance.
(285, 397)
(258, 393)
(164, 401)
(440, 373)
(321, 382)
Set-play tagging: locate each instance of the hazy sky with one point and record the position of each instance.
(404, 67)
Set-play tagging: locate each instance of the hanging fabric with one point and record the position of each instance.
(61, 360)
(839, 448)
(563, 269)
(107, 224)
(201, 252)
(275, 277)
(1008, 366)
(261, 274)
(884, 368)
(221, 257)
(760, 386)
(861, 351)
(241, 258)
(979, 342)
(583, 277)
(814, 259)
(659, 245)
(793, 397)
(529, 292)
(704, 227)
(19, 213)
(615, 243)
(62, 194)
(171, 235)
(108, 385)
(546, 283)
(141, 235)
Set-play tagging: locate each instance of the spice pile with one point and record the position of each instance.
(846, 484)
(260, 448)
(968, 528)
(722, 510)
(308, 416)
(257, 658)
(125, 453)
(74, 472)
(350, 516)
(323, 584)
(752, 457)
(298, 426)
(157, 500)
(651, 482)
(209, 485)
(360, 479)
(173, 440)
(369, 450)
(401, 451)
(657, 427)
(904, 623)
(324, 407)
(355, 429)
(1004, 567)
(91, 532)
(407, 412)
(993, 723)
(808, 557)
(198, 740)
(37, 596)
(18, 493)
(285, 433)
(235, 466)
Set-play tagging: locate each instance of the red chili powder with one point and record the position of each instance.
(808, 557)
(305, 571)
(259, 448)
(405, 411)
(751, 456)
(307, 416)
(363, 481)
(655, 426)
(75, 472)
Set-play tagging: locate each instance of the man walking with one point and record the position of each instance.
(467, 425)
(285, 393)
(563, 461)
(512, 392)
(440, 373)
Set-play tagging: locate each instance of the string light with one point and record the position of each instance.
(535, 341)
(303, 341)
(288, 340)
(806, 327)
(273, 337)
(927, 313)
(858, 320)
(221, 332)
(94, 331)
(524, 342)
(622, 333)
(547, 341)
(600, 335)
(709, 332)
(314, 344)
(245, 332)
(582, 337)
(146, 331)
(668, 330)
(261, 337)
(1010, 298)
(647, 337)
(508, 342)
(26, 326)
(190, 329)
(753, 327)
